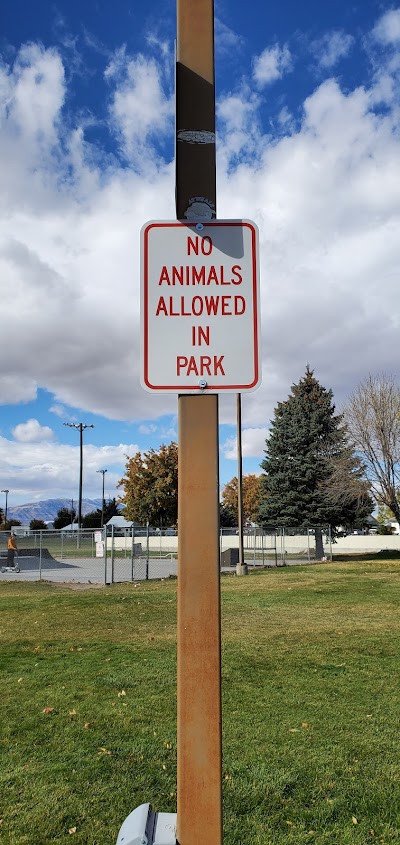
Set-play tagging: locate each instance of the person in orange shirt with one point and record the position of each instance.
(11, 549)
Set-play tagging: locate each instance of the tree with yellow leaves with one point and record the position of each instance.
(150, 486)
(251, 497)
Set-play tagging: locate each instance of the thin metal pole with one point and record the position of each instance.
(81, 427)
(80, 475)
(199, 757)
(112, 554)
(40, 556)
(6, 508)
(105, 554)
(241, 568)
(147, 550)
(103, 472)
(132, 552)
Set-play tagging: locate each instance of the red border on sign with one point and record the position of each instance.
(192, 388)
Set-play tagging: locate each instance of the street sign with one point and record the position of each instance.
(200, 306)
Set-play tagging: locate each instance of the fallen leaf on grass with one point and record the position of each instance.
(87, 725)
(19, 680)
(72, 713)
(294, 730)
(291, 824)
(72, 830)
(48, 710)
(121, 693)
(304, 724)
(354, 820)
(103, 750)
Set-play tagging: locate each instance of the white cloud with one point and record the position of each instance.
(147, 428)
(45, 468)
(59, 411)
(140, 109)
(35, 92)
(227, 42)
(253, 444)
(332, 47)
(387, 29)
(239, 120)
(271, 65)
(32, 432)
(326, 197)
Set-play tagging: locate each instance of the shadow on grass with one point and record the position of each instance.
(383, 554)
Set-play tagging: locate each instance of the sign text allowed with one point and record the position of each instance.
(200, 306)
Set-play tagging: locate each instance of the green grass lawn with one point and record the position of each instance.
(311, 706)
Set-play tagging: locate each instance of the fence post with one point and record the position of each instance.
(105, 554)
(132, 551)
(40, 555)
(147, 550)
(112, 554)
(308, 544)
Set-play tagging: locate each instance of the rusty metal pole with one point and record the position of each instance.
(199, 782)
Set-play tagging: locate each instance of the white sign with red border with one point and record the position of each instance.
(200, 308)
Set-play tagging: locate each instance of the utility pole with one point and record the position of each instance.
(199, 775)
(6, 510)
(103, 472)
(80, 427)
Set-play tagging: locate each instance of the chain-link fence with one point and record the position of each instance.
(113, 555)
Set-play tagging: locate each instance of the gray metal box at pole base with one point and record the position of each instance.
(230, 557)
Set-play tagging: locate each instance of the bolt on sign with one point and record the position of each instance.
(200, 308)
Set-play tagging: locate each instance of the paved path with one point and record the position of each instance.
(89, 570)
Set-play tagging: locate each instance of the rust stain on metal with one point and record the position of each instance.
(199, 646)
(195, 44)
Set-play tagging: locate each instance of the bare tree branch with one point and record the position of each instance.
(373, 420)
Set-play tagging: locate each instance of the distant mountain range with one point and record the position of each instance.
(48, 509)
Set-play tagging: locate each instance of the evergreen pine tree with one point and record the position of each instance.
(312, 477)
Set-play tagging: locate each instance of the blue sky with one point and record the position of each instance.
(308, 146)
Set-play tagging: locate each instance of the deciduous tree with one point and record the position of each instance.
(251, 486)
(150, 486)
(373, 418)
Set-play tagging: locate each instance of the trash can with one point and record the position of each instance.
(230, 557)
